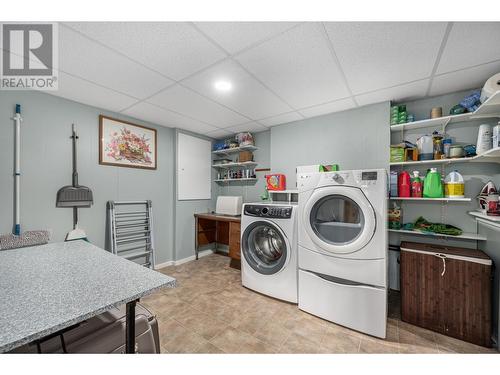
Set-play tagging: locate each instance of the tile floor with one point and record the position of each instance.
(210, 312)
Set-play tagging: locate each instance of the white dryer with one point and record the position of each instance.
(343, 248)
(269, 249)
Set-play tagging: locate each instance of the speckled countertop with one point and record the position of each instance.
(47, 288)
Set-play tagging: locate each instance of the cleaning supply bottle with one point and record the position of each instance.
(454, 185)
(433, 187)
(416, 185)
(404, 185)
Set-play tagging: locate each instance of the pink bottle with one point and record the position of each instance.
(404, 185)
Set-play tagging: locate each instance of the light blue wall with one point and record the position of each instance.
(354, 139)
(46, 166)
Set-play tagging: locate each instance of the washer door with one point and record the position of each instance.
(339, 219)
(265, 247)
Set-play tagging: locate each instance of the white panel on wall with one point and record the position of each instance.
(194, 169)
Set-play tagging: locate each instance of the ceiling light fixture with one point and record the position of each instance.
(223, 86)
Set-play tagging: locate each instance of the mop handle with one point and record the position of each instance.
(17, 170)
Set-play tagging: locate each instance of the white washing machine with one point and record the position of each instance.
(342, 231)
(269, 249)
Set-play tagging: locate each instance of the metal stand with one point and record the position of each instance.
(130, 328)
(131, 231)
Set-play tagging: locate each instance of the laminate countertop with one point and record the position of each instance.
(44, 289)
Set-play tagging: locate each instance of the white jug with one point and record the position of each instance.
(484, 141)
(425, 148)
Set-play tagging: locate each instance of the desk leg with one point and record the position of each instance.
(130, 328)
(196, 237)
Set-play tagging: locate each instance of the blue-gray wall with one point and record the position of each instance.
(354, 139)
(46, 166)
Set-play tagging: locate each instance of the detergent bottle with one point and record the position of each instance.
(416, 185)
(404, 185)
(433, 187)
(454, 185)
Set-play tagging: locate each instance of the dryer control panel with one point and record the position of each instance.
(271, 212)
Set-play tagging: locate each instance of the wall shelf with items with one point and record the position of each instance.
(430, 199)
(490, 108)
(433, 161)
(406, 132)
(482, 215)
(490, 156)
(463, 236)
(246, 164)
(228, 180)
(233, 150)
(432, 123)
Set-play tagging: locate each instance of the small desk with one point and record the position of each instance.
(218, 229)
(46, 289)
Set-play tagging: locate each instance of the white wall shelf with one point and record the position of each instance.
(432, 123)
(430, 199)
(433, 161)
(228, 180)
(482, 215)
(490, 156)
(490, 108)
(246, 164)
(233, 150)
(463, 236)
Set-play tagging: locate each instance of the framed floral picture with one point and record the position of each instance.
(124, 144)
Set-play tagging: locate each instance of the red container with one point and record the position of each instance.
(276, 182)
(404, 185)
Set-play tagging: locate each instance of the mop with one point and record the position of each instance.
(75, 196)
(28, 238)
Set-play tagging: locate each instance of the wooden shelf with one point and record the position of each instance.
(432, 123)
(490, 108)
(430, 199)
(234, 149)
(235, 165)
(235, 179)
(463, 236)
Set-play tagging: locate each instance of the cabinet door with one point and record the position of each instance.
(234, 240)
(420, 290)
(466, 300)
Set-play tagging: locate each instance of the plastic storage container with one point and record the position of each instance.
(454, 185)
(404, 185)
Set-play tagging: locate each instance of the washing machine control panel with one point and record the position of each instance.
(272, 212)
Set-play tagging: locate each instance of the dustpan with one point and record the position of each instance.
(74, 195)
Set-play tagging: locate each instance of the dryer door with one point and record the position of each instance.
(339, 219)
(265, 247)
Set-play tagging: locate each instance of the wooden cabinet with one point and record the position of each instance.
(234, 240)
(447, 290)
(218, 229)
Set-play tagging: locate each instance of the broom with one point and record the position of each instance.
(28, 238)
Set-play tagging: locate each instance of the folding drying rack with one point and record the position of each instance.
(131, 231)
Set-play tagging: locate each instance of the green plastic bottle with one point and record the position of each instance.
(433, 187)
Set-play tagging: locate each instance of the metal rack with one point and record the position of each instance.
(131, 231)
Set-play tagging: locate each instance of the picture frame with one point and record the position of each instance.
(125, 144)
